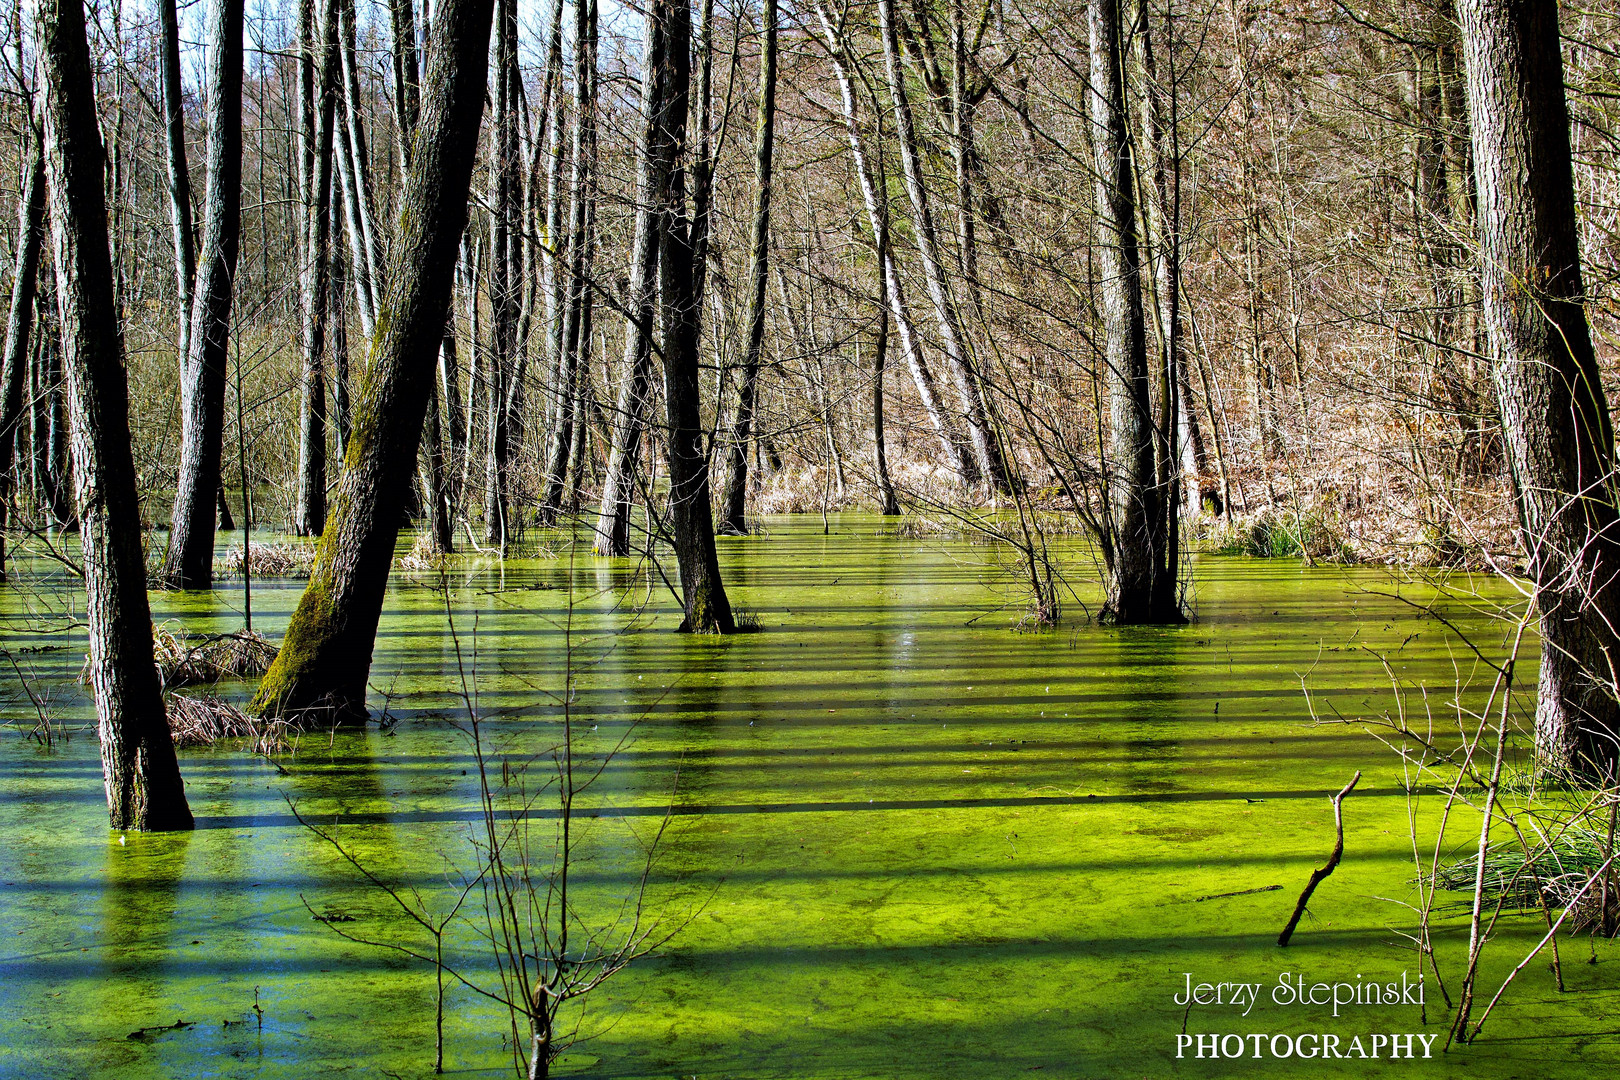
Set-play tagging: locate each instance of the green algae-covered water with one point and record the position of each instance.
(902, 840)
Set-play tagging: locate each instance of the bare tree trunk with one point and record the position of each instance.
(655, 157)
(889, 504)
(354, 172)
(1136, 516)
(877, 214)
(189, 561)
(1559, 437)
(703, 593)
(19, 327)
(582, 250)
(309, 511)
(326, 655)
(986, 447)
(174, 117)
(736, 493)
(505, 280)
(144, 789)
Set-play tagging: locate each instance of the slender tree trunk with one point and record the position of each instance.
(189, 561)
(986, 447)
(174, 118)
(956, 453)
(309, 511)
(144, 789)
(736, 494)
(1559, 437)
(505, 283)
(703, 594)
(655, 157)
(889, 504)
(326, 655)
(19, 327)
(354, 172)
(581, 248)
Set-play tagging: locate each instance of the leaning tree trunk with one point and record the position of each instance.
(986, 446)
(19, 327)
(318, 120)
(742, 424)
(144, 789)
(189, 561)
(1137, 543)
(1554, 414)
(956, 453)
(326, 654)
(655, 157)
(703, 594)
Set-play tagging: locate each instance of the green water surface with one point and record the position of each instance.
(906, 841)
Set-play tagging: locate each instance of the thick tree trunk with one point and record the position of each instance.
(742, 424)
(703, 594)
(144, 789)
(1559, 437)
(189, 561)
(986, 446)
(19, 328)
(326, 654)
(1137, 543)
(318, 53)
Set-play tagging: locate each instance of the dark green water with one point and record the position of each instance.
(909, 842)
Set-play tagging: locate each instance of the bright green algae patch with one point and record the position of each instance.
(918, 844)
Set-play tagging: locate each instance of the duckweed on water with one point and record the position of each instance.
(915, 848)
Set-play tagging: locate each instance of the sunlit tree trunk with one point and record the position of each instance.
(326, 654)
(189, 560)
(19, 328)
(581, 250)
(736, 491)
(655, 156)
(318, 76)
(174, 124)
(1554, 413)
(986, 446)
(956, 454)
(703, 594)
(1135, 593)
(144, 789)
(505, 284)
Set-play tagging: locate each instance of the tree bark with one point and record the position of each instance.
(1134, 498)
(174, 120)
(19, 327)
(505, 280)
(189, 561)
(956, 453)
(655, 157)
(144, 789)
(1555, 416)
(986, 446)
(742, 425)
(326, 654)
(309, 511)
(703, 594)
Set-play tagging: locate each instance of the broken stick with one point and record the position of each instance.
(1320, 875)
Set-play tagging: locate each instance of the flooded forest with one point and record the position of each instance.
(809, 539)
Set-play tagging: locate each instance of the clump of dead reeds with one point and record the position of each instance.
(202, 721)
(268, 560)
(182, 660)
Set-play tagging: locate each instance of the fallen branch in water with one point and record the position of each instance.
(1320, 874)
